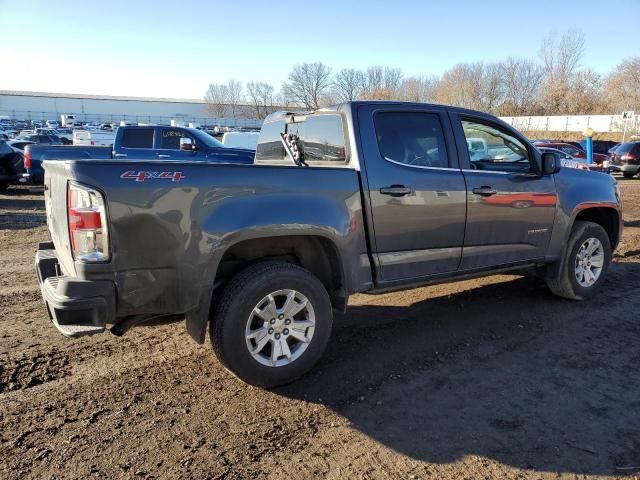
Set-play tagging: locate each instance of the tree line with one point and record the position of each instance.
(556, 83)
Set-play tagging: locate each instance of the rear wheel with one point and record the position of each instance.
(628, 174)
(271, 323)
(585, 264)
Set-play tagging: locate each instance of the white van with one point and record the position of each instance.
(241, 140)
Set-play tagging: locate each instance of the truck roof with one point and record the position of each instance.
(389, 103)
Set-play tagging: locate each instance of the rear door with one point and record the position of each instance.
(136, 142)
(416, 190)
(510, 207)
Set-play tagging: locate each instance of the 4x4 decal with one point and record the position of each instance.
(143, 175)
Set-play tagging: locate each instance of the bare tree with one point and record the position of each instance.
(261, 96)
(418, 89)
(215, 100)
(348, 84)
(561, 58)
(308, 84)
(381, 83)
(492, 87)
(521, 82)
(461, 86)
(585, 94)
(219, 98)
(622, 87)
(234, 89)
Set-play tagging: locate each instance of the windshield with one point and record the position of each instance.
(205, 138)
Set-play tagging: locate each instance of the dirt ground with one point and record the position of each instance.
(489, 378)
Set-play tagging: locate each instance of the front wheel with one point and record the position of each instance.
(271, 323)
(585, 264)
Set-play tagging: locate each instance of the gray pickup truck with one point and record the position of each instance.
(360, 197)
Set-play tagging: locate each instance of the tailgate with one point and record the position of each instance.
(55, 198)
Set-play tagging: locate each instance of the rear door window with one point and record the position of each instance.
(411, 138)
(137, 138)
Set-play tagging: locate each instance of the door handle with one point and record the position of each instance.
(395, 190)
(120, 155)
(484, 191)
(163, 156)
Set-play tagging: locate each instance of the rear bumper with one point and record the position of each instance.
(76, 307)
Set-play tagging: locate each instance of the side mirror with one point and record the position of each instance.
(551, 163)
(186, 144)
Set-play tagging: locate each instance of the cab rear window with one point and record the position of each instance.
(322, 138)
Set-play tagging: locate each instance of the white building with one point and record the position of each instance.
(104, 108)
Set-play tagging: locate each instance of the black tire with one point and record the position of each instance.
(628, 174)
(233, 308)
(566, 285)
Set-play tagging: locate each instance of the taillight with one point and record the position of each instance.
(87, 224)
(27, 159)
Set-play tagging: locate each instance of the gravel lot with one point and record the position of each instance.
(489, 378)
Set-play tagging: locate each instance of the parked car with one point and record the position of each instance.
(135, 142)
(66, 135)
(39, 139)
(599, 160)
(53, 133)
(626, 159)
(361, 197)
(10, 165)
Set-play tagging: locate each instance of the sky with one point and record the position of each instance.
(175, 49)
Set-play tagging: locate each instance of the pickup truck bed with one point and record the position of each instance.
(391, 197)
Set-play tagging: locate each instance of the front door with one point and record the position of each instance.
(510, 206)
(416, 190)
(168, 144)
